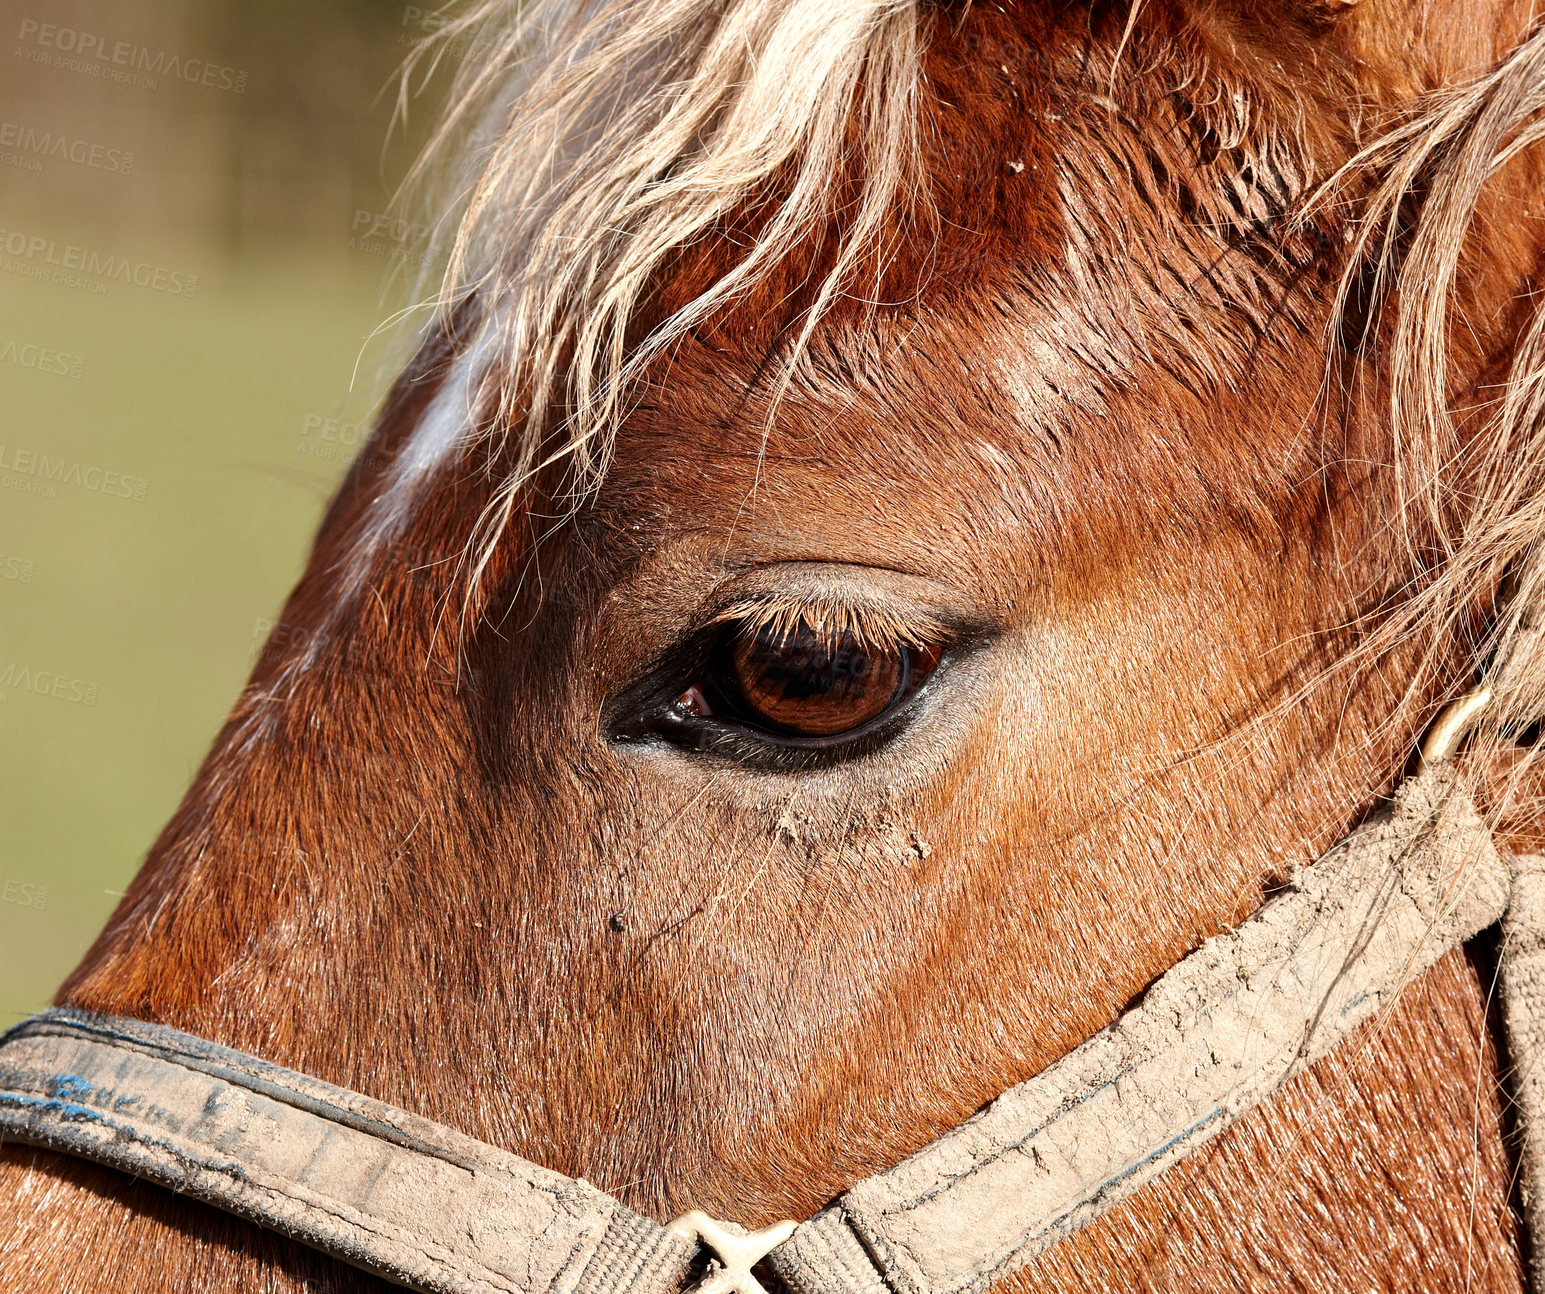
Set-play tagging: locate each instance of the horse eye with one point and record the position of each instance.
(806, 684)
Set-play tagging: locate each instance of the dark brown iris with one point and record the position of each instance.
(816, 685)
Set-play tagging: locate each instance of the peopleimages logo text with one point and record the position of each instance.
(19, 569)
(41, 359)
(47, 682)
(91, 48)
(24, 896)
(27, 142)
(70, 259)
(37, 473)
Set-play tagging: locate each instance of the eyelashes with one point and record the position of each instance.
(831, 620)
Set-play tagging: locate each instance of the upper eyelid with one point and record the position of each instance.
(877, 593)
(873, 626)
(879, 606)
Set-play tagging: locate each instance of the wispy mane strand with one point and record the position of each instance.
(1473, 512)
(625, 130)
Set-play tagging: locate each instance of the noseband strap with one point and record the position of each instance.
(408, 1199)
(436, 1211)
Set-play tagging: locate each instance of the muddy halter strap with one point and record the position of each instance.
(436, 1211)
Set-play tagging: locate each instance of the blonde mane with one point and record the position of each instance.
(625, 130)
(1472, 514)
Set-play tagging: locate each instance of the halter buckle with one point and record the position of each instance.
(737, 1251)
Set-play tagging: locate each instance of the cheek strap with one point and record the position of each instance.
(1213, 1037)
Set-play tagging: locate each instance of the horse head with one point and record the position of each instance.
(908, 518)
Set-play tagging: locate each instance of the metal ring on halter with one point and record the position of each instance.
(1452, 724)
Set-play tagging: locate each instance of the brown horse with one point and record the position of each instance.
(911, 517)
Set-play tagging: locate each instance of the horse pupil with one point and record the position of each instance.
(813, 685)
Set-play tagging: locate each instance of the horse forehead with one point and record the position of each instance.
(884, 431)
(1056, 289)
(970, 445)
(1046, 338)
(981, 382)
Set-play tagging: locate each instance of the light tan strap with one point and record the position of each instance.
(385, 1190)
(1523, 1018)
(1211, 1038)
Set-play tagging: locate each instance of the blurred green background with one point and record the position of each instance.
(196, 257)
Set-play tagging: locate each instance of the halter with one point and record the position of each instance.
(433, 1210)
